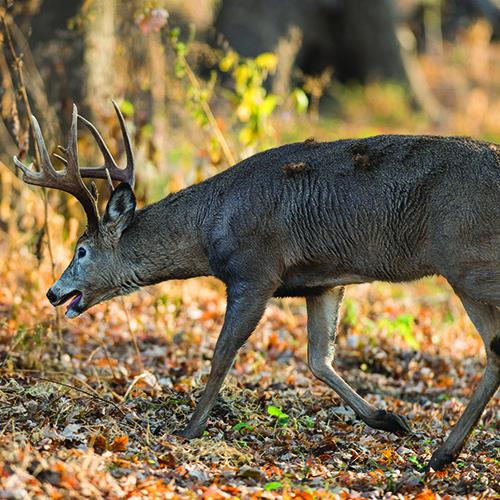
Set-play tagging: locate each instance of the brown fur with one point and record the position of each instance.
(291, 169)
(361, 161)
(311, 142)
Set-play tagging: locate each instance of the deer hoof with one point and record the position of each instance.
(439, 460)
(392, 422)
(188, 433)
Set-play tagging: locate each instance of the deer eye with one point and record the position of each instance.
(81, 252)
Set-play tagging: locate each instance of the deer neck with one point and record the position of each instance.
(165, 241)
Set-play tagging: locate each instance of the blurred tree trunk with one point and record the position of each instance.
(158, 85)
(366, 44)
(99, 39)
(355, 37)
(53, 54)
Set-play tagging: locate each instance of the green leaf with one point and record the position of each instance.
(403, 325)
(307, 421)
(179, 69)
(267, 61)
(181, 48)
(127, 108)
(274, 411)
(242, 426)
(174, 35)
(21, 332)
(268, 105)
(301, 100)
(229, 61)
(414, 460)
(273, 485)
(246, 136)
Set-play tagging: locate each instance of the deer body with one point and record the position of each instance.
(306, 219)
(409, 213)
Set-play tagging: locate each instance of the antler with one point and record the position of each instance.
(69, 179)
(116, 173)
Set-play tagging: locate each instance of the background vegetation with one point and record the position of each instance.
(88, 407)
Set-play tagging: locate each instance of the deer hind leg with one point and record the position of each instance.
(486, 319)
(322, 316)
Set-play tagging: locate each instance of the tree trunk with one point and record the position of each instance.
(366, 45)
(99, 55)
(355, 37)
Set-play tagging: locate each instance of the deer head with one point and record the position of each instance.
(96, 272)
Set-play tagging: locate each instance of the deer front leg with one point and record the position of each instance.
(245, 306)
(486, 319)
(322, 316)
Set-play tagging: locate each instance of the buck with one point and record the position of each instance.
(304, 220)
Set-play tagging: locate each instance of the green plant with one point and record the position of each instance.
(242, 426)
(273, 485)
(254, 105)
(281, 417)
(415, 461)
(403, 325)
(307, 422)
(246, 92)
(199, 94)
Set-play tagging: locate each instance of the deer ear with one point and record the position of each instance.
(120, 210)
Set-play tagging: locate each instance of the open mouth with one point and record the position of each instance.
(72, 310)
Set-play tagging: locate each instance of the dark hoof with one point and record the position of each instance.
(392, 422)
(439, 461)
(188, 433)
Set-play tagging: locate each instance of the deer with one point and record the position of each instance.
(300, 220)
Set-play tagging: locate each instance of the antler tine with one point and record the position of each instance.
(67, 179)
(27, 172)
(110, 167)
(76, 186)
(47, 171)
(42, 149)
(61, 158)
(109, 161)
(128, 147)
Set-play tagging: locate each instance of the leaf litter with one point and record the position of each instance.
(88, 423)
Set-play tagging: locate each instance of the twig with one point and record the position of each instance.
(209, 114)
(54, 372)
(11, 347)
(106, 355)
(17, 64)
(134, 422)
(132, 333)
(87, 393)
(132, 385)
(52, 268)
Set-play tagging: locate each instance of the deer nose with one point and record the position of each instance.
(51, 296)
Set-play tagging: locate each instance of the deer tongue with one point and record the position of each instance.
(70, 310)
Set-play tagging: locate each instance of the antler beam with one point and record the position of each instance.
(68, 179)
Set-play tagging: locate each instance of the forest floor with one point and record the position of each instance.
(91, 416)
